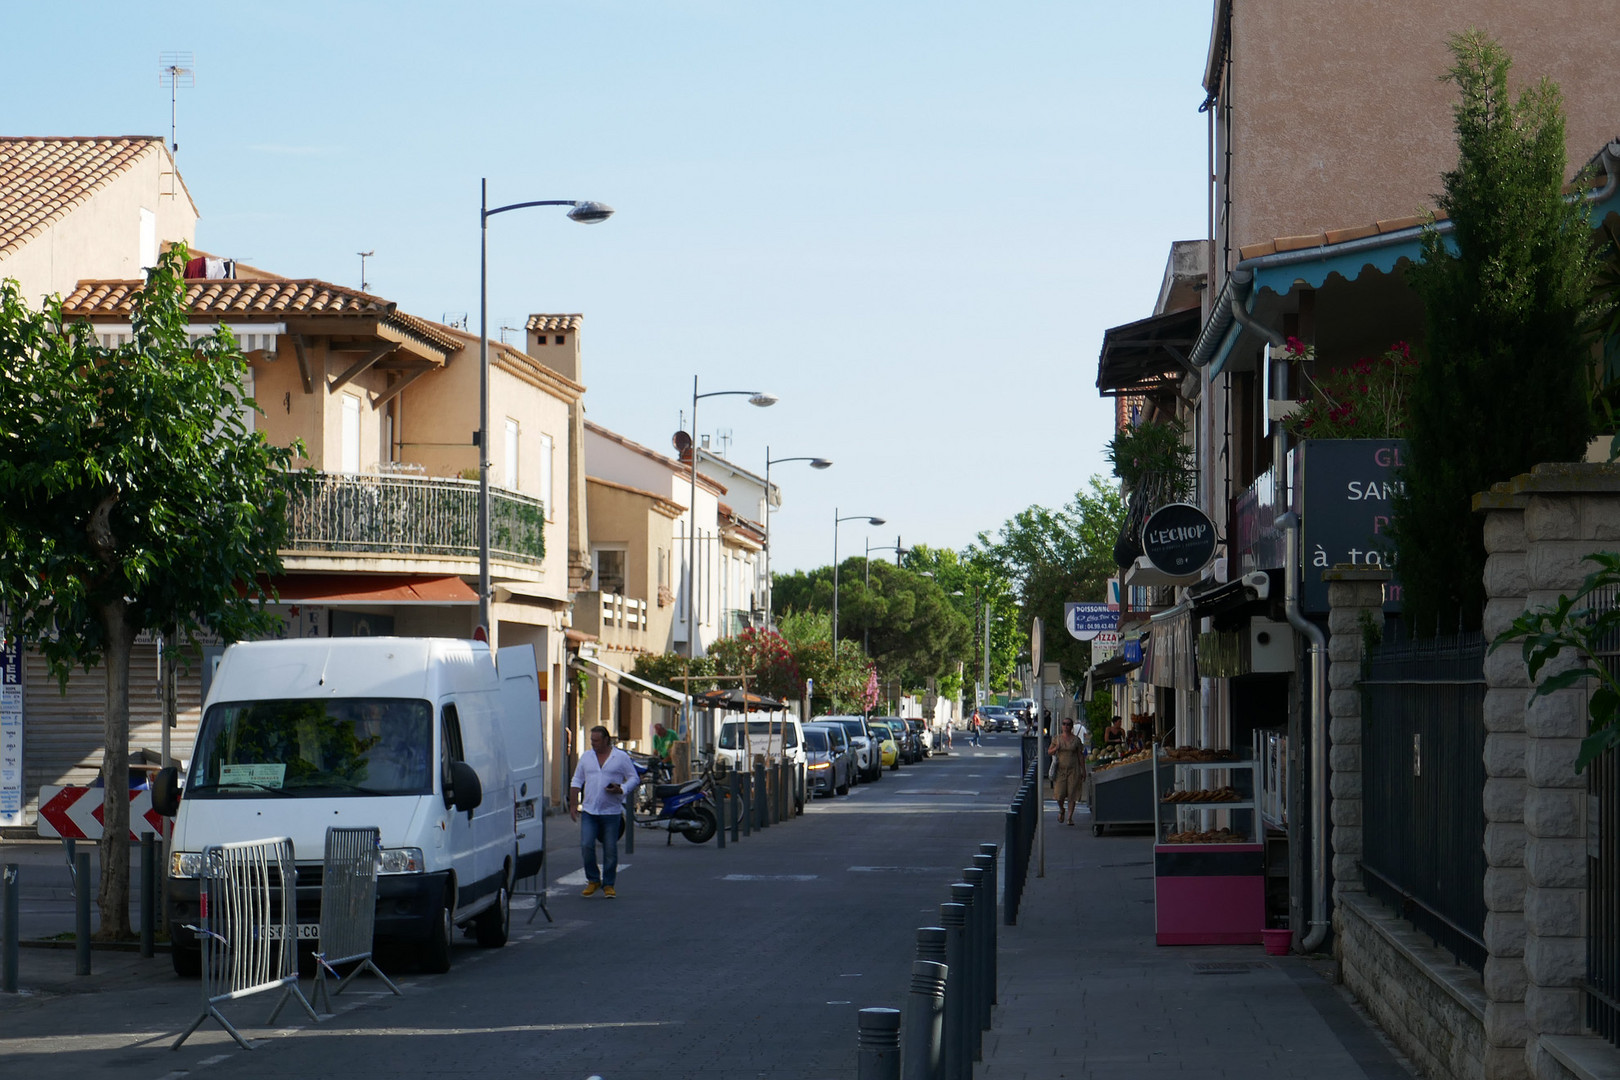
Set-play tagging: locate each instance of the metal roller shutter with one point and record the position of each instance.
(62, 733)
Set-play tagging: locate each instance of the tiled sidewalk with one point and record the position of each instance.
(1085, 993)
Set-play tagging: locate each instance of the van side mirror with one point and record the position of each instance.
(166, 791)
(466, 791)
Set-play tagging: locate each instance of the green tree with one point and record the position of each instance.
(134, 496)
(1503, 383)
(839, 679)
(763, 656)
(904, 619)
(1055, 556)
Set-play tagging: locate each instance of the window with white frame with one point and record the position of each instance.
(545, 477)
(511, 474)
(351, 434)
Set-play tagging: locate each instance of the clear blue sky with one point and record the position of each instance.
(910, 219)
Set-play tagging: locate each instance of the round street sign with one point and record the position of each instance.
(1179, 539)
(1036, 652)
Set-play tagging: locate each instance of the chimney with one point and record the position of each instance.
(554, 341)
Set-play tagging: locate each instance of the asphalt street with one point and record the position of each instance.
(749, 962)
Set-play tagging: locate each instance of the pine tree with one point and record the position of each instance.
(1502, 386)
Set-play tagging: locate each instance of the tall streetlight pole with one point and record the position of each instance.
(755, 397)
(583, 211)
(836, 522)
(815, 463)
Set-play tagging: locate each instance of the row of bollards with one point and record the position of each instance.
(1019, 842)
(79, 869)
(952, 994)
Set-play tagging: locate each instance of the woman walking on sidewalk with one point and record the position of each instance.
(1070, 763)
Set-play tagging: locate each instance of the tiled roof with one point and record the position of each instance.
(43, 180)
(553, 322)
(270, 299)
(1335, 236)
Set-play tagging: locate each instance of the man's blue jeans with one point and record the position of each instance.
(603, 828)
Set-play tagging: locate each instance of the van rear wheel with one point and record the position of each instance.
(494, 926)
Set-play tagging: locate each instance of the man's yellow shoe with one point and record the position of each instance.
(607, 891)
(591, 887)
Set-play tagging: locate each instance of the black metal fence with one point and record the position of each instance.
(1423, 784)
(1602, 982)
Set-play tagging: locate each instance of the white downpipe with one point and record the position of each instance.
(1319, 751)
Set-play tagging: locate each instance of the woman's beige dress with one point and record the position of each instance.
(1066, 785)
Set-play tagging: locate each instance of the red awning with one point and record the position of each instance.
(373, 589)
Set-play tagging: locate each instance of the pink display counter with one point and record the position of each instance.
(1209, 894)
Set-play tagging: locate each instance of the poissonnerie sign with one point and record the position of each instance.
(1179, 539)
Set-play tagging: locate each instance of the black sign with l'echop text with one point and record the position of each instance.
(1179, 539)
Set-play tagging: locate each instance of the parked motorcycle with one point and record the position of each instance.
(688, 808)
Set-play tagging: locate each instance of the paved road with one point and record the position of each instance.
(744, 963)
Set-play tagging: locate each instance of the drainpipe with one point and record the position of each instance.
(1319, 751)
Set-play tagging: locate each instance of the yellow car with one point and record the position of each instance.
(889, 749)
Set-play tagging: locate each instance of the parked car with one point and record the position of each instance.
(887, 731)
(997, 718)
(868, 752)
(908, 749)
(827, 759)
(924, 736)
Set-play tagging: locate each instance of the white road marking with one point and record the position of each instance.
(769, 877)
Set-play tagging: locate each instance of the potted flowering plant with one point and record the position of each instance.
(1367, 400)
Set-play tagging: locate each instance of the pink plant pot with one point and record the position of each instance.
(1277, 942)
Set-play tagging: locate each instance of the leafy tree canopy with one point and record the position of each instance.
(1504, 383)
(134, 495)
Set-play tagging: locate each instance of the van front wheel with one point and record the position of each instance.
(436, 951)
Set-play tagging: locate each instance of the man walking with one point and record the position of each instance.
(601, 783)
(975, 726)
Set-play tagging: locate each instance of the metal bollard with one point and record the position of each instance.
(629, 831)
(10, 890)
(148, 895)
(983, 903)
(1009, 887)
(989, 851)
(877, 1045)
(925, 1017)
(736, 806)
(958, 1056)
(748, 805)
(762, 796)
(987, 929)
(720, 802)
(81, 913)
(964, 893)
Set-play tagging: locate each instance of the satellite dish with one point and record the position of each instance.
(683, 442)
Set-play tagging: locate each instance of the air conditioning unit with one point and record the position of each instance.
(1271, 646)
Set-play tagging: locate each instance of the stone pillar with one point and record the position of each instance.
(1539, 529)
(1355, 601)
(1506, 689)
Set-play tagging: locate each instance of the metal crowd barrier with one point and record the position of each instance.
(249, 929)
(348, 910)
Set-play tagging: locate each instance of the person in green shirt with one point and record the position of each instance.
(663, 739)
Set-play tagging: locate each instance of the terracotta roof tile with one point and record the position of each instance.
(1335, 236)
(1295, 243)
(1340, 236)
(553, 322)
(269, 299)
(43, 180)
(1254, 251)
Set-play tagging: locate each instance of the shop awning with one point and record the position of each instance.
(736, 700)
(1147, 356)
(626, 681)
(1224, 600)
(338, 590)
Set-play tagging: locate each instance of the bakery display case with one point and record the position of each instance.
(1121, 791)
(1209, 859)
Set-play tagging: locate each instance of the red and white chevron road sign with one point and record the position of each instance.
(74, 813)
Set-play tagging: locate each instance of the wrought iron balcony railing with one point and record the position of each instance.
(402, 515)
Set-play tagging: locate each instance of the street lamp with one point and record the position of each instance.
(836, 522)
(581, 210)
(757, 398)
(815, 463)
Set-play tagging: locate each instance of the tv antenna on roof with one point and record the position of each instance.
(175, 70)
(365, 286)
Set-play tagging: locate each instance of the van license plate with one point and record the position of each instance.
(307, 931)
(525, 810)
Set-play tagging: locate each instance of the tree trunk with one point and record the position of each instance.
(113, 897)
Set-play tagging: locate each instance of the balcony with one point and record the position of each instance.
(617, 621)
(410, 516)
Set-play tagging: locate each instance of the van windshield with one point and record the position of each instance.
(298, 747)
(760, 732)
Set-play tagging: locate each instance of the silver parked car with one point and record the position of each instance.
(829, 764)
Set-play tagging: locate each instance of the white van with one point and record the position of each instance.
(422, 738)
(776, 735)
